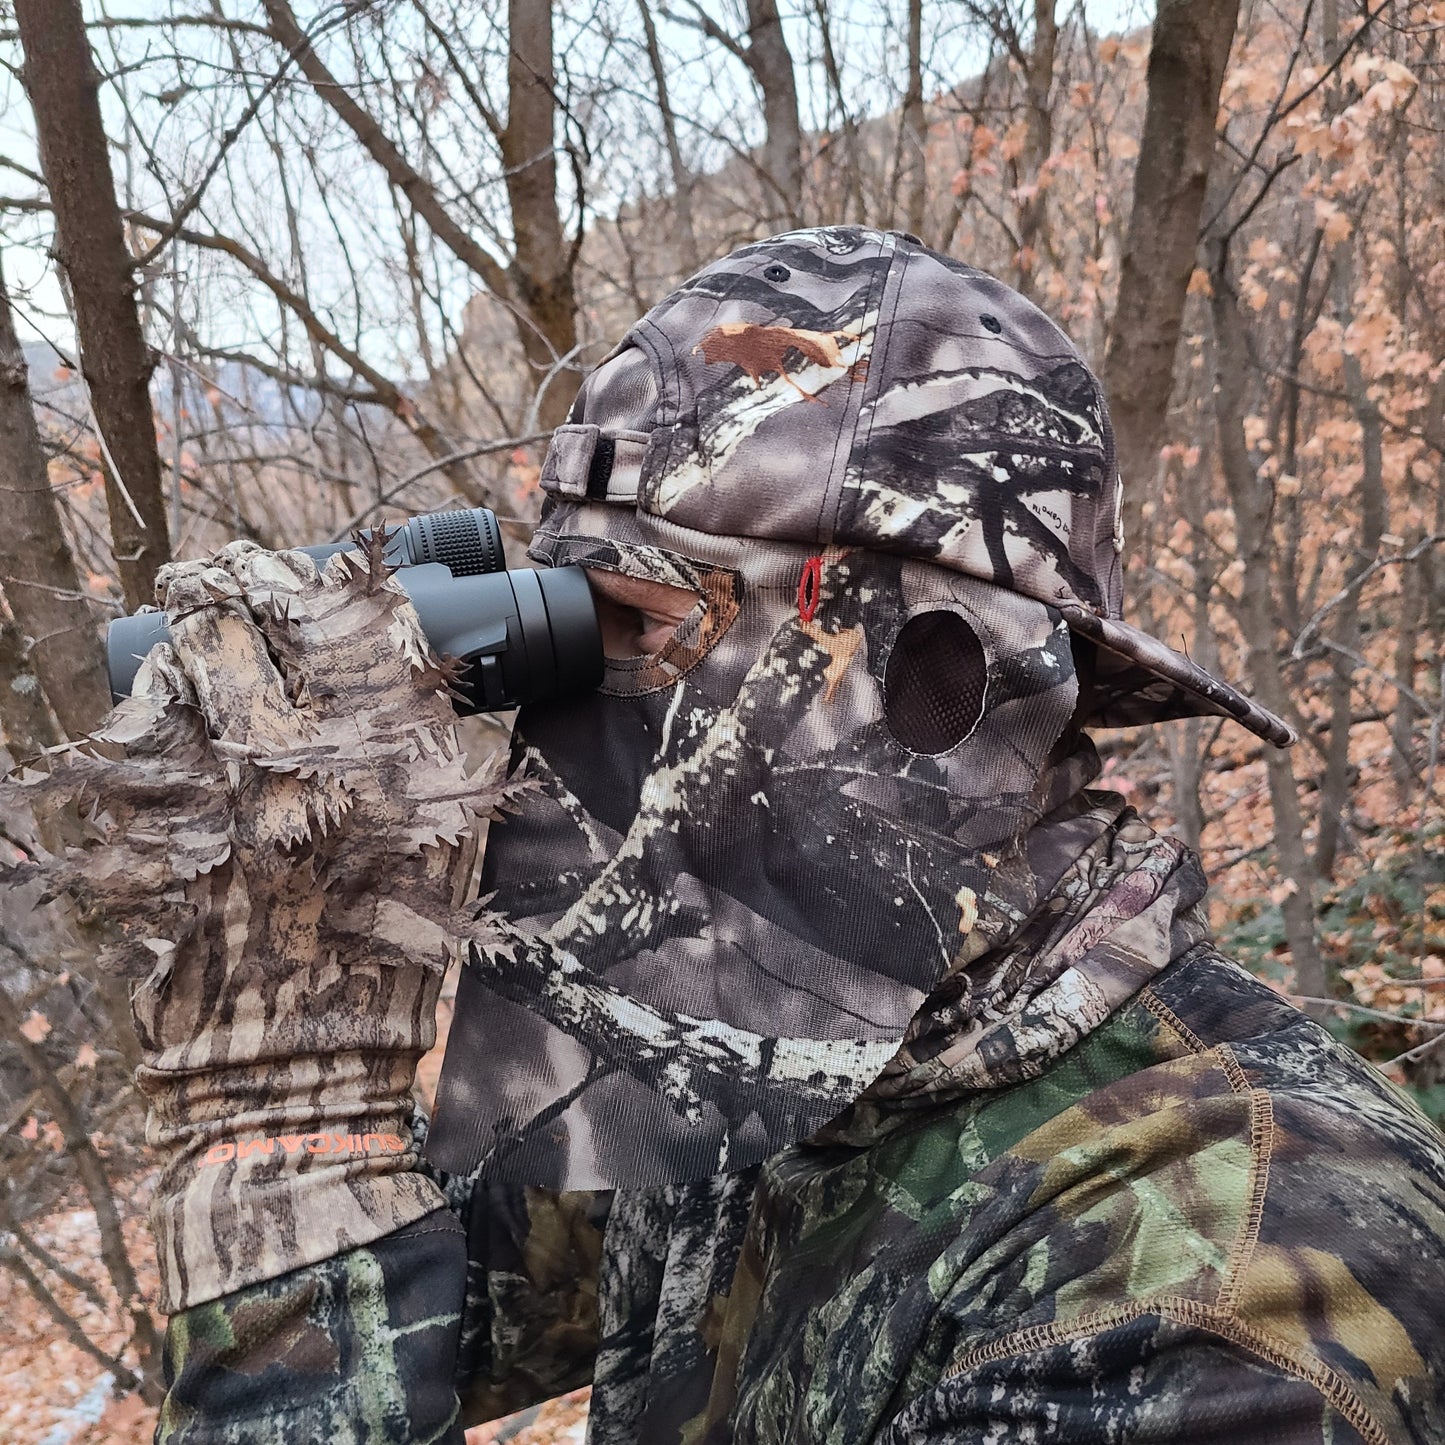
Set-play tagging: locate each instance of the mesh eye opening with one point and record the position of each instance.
(935, 682)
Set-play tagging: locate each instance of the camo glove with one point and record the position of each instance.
(279, 819)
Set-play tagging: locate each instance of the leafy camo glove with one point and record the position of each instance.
(279, 821)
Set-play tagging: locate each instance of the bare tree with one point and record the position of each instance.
(546, 258)
(768, 58)
(52, 621)
(770, 64)
(62, 83)
(1252, 499)
(853, 206)
(1039, 140)
(1034, 54)
(537, 284)
(1345, 642)
(1187, 56)
(681, 178)
(913, 129)
(88, 1164)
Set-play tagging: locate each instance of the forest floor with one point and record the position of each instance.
(51, 1391)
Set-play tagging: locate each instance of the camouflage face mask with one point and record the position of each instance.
(890, 481)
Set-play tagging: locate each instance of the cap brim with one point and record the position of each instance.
(1140, 680)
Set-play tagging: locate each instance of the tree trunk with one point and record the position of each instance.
(852, 165)
(771, 64)
(63, 86)
(548, 333)
(1402, 724)
(1039, 142)
(1335, 786)
(55, 631)
(542, 271)
(914, 146)
(27, 726)
(1187, 56)
(681, 176)
(1185, 742)
(1251, 498)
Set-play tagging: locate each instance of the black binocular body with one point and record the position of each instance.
(523, 636)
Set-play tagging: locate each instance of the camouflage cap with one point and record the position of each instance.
(852, 388)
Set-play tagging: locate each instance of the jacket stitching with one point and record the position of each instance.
(1336, 1390)
(1171, 1020)
(1261, 1150)
(1238, 1079)
(454, 1228)
(1261, 1146)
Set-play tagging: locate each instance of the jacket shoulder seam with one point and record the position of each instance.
(1261, 1152)
(1261, 1143)
(1333, 1387)
(1172, 1021)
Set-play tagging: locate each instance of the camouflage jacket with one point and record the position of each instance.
(1202, 1221)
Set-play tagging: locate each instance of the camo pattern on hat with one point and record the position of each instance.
(756, 852)
(854, 388)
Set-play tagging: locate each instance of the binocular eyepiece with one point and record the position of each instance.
(523, 636)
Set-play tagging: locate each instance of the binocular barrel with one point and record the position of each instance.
(524, 636)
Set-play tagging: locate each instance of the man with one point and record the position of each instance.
(841, 1069)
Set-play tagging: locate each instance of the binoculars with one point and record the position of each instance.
(523, 636)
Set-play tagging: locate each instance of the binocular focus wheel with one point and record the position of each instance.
(467, 543)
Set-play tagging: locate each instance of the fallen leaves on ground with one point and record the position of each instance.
(51, 1392)
(562, 1421)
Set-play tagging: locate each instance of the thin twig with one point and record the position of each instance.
(560, 364)
(65, 592)
(1410, 1055)
(1358, 581)
(435, 465)
(233, 132)
(105, 451)
(1365, 665)
(1278, 112)
(1373, 1013)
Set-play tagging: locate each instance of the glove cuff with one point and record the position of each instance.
(234, 1225)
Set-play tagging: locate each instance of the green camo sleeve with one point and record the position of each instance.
(359, 1348)
(1149, 1380)
(376, 1344)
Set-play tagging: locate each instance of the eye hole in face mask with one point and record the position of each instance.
(934, 683)
(637, 616)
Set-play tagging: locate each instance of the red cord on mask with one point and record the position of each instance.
(809, 586)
